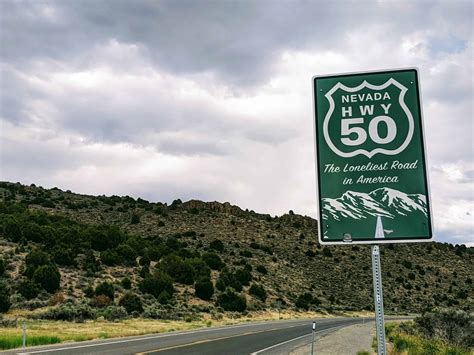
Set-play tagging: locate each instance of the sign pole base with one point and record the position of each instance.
(378, 300)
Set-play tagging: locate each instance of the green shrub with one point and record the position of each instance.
(213, 261)
(201, 269)
(258, 291)
(104, 237)
(262, 269)
(156, 284)
(48, 277)
(5, 303)
(35, 259)
(245, 253)
(100, 301)
(454, 327)
(327, 252)
(204, 289)
(131, 302)
(113, 313)
(110, 257)
(63, 256)
(243, 276)
(164, 297)
(180, 270)
(32, 231)
(106, 289)
(135, 219)
(231, 301)
(304, 300)
(29, 289)
(2, 267)
(127, 255)
(11, 228)
(228, 279)
(126, 283)
(145, 260)
(70, 312)
(90, 262)
(89, 292)
(217, 245)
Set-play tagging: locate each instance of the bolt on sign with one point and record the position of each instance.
(371, 168)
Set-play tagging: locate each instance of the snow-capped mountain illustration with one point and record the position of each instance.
(384, 202)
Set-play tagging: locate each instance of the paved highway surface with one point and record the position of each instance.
(251, 338)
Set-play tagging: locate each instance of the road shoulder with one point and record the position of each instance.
(348, 340)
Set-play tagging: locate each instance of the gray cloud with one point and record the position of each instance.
(236, 40)
(212, 99)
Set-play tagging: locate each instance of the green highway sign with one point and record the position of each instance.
(370, 158)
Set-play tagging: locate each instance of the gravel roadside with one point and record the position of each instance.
(346, 341)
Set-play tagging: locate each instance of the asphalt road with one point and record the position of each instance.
(250, 338)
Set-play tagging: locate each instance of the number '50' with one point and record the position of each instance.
(347, 128)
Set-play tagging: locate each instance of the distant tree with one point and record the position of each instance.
(204, 289)
(156, 283)
(89, 292)
(104, 237)
(105, 288)
(29, 289)
(90, 262)
(101, 301)
(63, 255)
(11, 228)
(213, 261)
(32, 231)
(217, 245)
(304, 300)
(48, 277)
(245, 253)
(135, 219)
(5, 303)
(126, 283)
(258, 291)
(131, 302)
(262, 269)
(127, 255)
(180, 270)
(231, 301)
(200, 269)
(327, 252)
(2, 267)
(110, 257)
(243, 276)
(35, 259)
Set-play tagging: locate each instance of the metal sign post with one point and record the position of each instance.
(312, 341)
(371, 165)
(378, 300)
(24, 334)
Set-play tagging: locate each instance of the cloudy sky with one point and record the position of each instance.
(212, 100)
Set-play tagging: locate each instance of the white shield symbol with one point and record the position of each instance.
(361, 151)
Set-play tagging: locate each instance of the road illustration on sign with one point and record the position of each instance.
(372, 179)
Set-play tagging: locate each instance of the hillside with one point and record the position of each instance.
(234, 259)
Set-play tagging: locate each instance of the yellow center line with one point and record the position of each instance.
(209, 340)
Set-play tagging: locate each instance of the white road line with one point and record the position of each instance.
(289, 341)
(142, 338)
